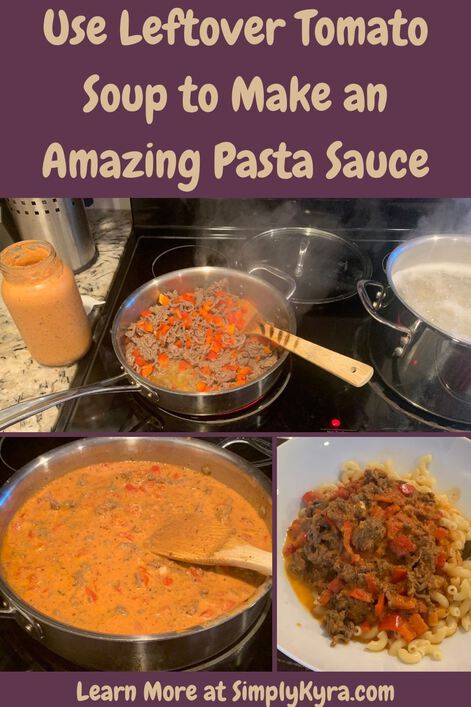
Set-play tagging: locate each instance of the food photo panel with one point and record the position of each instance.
(374, 553)
(257, 315)
(135, 553)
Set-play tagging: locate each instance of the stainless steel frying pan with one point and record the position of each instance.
(268, 300)
(167, 651)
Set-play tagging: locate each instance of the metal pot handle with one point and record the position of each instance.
(291, 282)
(27, 408)
(373, 307)
(7, 612)
(261, 445)
(26, 622)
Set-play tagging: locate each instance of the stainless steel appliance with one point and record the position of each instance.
(62, 222)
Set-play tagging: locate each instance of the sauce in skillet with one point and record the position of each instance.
(76, 550)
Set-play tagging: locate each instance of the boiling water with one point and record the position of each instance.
(440, 294)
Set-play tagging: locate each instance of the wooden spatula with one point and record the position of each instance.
(348, 369)
(202, 541)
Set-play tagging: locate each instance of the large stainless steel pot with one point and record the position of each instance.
(437, 249)
(428, 366)
(147, 652)
(270, 302)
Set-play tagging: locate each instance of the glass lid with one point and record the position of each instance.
(325, 267)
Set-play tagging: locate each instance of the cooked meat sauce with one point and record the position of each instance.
(371, 552)
(76, 550)
(195, 342)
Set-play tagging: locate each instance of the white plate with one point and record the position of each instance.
(305, 462)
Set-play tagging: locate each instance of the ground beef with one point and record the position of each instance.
(198, 345)
(367, 536)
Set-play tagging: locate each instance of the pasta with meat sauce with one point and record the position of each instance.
(78, 549)
(379, 558)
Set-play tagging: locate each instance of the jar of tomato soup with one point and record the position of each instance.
(41, 295)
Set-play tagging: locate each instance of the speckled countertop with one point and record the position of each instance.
(21, 377)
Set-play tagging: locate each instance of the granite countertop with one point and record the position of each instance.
(21, 377)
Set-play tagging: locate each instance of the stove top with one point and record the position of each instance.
(307, 398)
(20, 652)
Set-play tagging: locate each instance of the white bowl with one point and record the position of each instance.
(305, 462)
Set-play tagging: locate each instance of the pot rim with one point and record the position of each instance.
(409, 245)
(146, 383)
(28, 611)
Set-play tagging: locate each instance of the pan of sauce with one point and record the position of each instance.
(102, 599)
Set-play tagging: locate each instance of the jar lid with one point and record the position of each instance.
(325, 267)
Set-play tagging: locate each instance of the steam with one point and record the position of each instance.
(447, 216)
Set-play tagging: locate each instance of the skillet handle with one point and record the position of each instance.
(27, 408)
(7, 612)
(260, 445)
(26, 622)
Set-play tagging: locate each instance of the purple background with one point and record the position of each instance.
(59, 690)
(43, 98)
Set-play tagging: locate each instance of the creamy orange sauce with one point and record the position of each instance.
(301, 589)
(41, 295)
(78, 550)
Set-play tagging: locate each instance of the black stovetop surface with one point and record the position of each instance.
(20, 652)
(311, 401)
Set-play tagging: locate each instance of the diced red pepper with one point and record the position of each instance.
(335, 585)
(401, 545)
(163, 360)
(417, 624)
(440, 561)
(325, 597)
(407, 489)
(441, 533)
(398, 574)
(341, 492)
(310, 496)
(391, 510)
(145, 576)
(168, 581)
(397, 601)
(207, 614)
(291, 547)
(371, 584)
(360, 594)
(406, 631)
(91, 594)
(140, 360)
(347, 535)
(390, 622)
(131, 487)
(126, 536)
(380, 604)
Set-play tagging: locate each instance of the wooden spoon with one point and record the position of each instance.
(348, 369)
(197, 540)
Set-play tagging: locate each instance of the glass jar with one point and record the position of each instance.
(41, 294)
